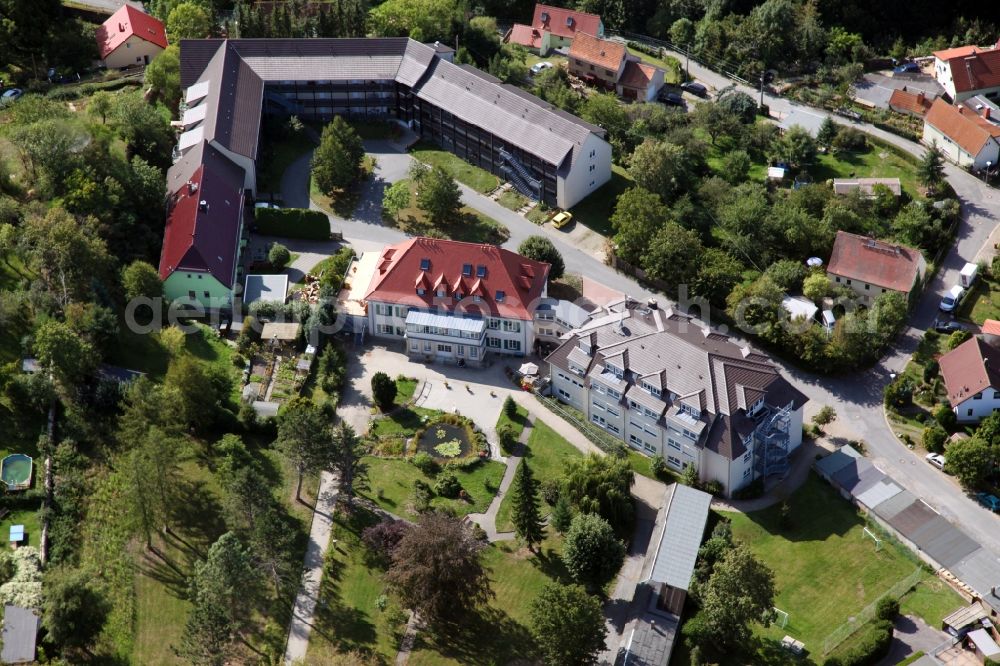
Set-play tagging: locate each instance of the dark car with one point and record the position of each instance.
(948, 325)
(695, 88)
(672, 99)
(907, 68)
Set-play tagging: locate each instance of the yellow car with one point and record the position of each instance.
(561, 220)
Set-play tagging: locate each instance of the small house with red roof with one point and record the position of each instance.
(608, 64)
(450, 301)
(640, 81)
(967, 137)
(872, 267)
(967, 71)
(552, 28)
(971, 374)
(129, 38)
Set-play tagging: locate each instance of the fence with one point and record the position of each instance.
(717, 64)
(601, 439)
(867, 614)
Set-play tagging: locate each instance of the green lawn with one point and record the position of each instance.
(478, 179)
(825, 570)
(32, 526)
(402, 422)
(277, 156)
(982, 302)
(877, 162)
(547, 454)
(517, 423)
(539, 214)
(391, 486)
(513, 200)
(472, 226)
(405, 386)
(595, 211)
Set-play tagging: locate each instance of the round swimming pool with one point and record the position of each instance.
(15, 471)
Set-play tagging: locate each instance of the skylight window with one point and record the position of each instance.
(467, 270)
(425, 264)
(500, 296)
(481, 271)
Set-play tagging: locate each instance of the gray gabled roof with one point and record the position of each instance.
(20, 630)
(683, 530)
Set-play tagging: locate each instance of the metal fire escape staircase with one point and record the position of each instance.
(519, 175)
(770, 440)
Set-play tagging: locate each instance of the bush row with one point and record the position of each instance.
(293, 223)
(78, 91)
(869, 645)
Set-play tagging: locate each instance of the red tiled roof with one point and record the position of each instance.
(859, 258)
(991, 327)
(977, 71)
(970, 131)
(957, 52)
(557, 22)
(971, 367)
(904, 101)
(524, 35)
(205, 239)
(399, 272)
(124, 23)
(597, 51)
(637, 75)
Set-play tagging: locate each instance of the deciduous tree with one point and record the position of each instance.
(395, 198)
(568, 625)
(163, 76)
(638, 215)
(593, 554)
(440, 196)
(972, 461)
(540, 248)
(188, 20)
(141, 280)
(73, 611)
(336, 163)
(600, 484)
(739, 594)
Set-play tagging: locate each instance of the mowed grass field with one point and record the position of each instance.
(826, 570)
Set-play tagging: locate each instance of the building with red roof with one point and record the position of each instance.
(130, 37)
(967, 137)
(968, 71)
(912, 103)
(449, 300)
(971, 374)
(553, 28)
(871, 267)
(640, 81)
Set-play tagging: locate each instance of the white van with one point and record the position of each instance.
(952, 299)
(968, 275)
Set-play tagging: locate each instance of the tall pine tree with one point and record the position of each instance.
(524, 512)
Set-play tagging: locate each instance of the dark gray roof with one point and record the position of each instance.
(836, 461)
(239, 68)
(653, 634)
(981, 571)
(20, 629)
(888, 509)
(683, 530)
(944, 542)
(858, 477)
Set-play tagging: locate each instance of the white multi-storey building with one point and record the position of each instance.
(450, 301)
(664, 385)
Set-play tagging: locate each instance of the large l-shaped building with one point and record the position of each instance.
(228, 85)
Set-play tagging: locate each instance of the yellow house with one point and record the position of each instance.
(130, 38)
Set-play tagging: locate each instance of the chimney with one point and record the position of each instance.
(593, 342)
(986, 112)
(920, 98)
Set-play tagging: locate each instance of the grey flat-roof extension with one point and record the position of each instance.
(683, 530)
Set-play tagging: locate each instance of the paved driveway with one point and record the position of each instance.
(911, 634)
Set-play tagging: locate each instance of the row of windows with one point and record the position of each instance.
(608, 408)
(867, 286)
(459, 350)
(604, 423)
(567, 378)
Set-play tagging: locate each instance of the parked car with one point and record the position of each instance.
(540, 67)
(968, 275)
(952, 299)
(11, 95)
(672, 99)
(935, 459)
(948, 325)
(695, 88)
(562, 219)
(906, 68)
(267, 204)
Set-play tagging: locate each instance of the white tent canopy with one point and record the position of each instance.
(528, 369)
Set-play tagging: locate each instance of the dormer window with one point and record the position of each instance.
(755, 406)
(421, 291)
(441, 293)
(459, 295)
(467, 270)
(425, 264)
(651, 390)
(617, 372)
(477, 298)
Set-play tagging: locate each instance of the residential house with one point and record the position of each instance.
(130, 37)
(662, 384)
(911, 103)
(598, 61)
(871, 267)
(553, 28)
(967, 138)
(971, 374)
(640, 81)
(866, 186)
(967, 71)
(453, 302)
(203, 237)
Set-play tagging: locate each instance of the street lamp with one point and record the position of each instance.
(986, 175)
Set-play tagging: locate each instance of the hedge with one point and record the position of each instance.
(77, 90)
(869, 645)
(293, 223)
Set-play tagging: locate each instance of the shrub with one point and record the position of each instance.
(448, 485)
(868, 645)
(383, 391)
(931, 371)
(945, 417)
(658, 465)
(292, 223)
(850, 139)
(887, 608)
(279, 256)
(957, 338)
(713, 487)
(824, 416)
(689, 477)
(593, 554)
(425, 463)
(933, 438)
(507, 436)
(510, 408)
(422, 496)
(383, 538)
(551, 491)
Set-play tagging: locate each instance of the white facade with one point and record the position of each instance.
(955, 153)
(979, 406)
(590, 170)
(134, 52)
